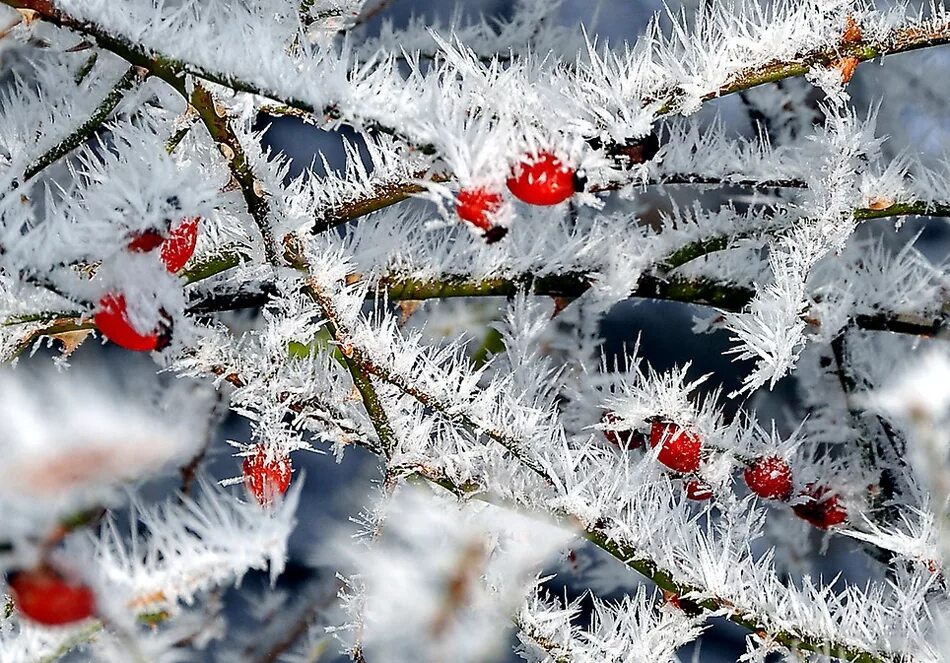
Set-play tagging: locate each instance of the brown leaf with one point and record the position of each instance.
(879, 202)
(406, 309)
(71, 340)
(847, 66)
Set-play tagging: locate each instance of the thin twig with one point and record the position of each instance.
(116, 94)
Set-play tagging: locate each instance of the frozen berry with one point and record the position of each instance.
(180, 245)
(478, 206)
(623, 438)
(822, 507)
(770, 477)
(112, 320)
(145, 241)
(699, 490)
(680, 448)
(266, 476)
(542, 179)
(45, 597)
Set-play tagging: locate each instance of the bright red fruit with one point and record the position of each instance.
(698, 490)
(47, 598)
(145, 241)
(266, 477)
(623, 439)
(180, 245)
(542, 180)
(477, 206)
(823, 508)
(770, 477)
(112, 320)
(681, 448)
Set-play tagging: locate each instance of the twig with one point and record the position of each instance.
(368, 367)
(126, 83)
(898, 40)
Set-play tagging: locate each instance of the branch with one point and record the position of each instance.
(645, 566)
(126, 83)
(899, 40)
(366, 366)
(218, 123)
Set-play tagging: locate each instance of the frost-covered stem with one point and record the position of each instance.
(384, 196)
(692, 291)
(554, 651)
(297, 407)
(900, 39)
(702, 292)
(370, 398)
(218, 123)
(84, 635)
(646, 567)
(635, 560)
(125, 84)
(355, 354)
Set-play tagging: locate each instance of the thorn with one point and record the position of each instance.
(226, 151)
(30, 16)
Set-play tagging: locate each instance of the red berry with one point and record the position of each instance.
(266, 477)
(145, 241)
(699, 490)
(478, 206)
(770, 477)
(681, 448)
(624, 438)
(47, 598)
(823, 507)
(542, 180)
(180, 245)
(112, 320)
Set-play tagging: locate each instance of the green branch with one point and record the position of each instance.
(218, 124)
(899, 40)
(126, 83)
(368, 367)
(640, 562)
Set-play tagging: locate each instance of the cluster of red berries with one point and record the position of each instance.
(769, 477)
(112, 317)
(544, 179)
(46, 597)
(541, 179)
(266, 476)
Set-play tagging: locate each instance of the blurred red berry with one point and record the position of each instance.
(112, 320)
(770, 477)
(822, 507)
(180, 245)
(266, 477)
(542, 180)
(681, 448)
(45, 597)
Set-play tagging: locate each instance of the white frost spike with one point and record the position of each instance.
(192, 546)
(633, 630)
(442, 579)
